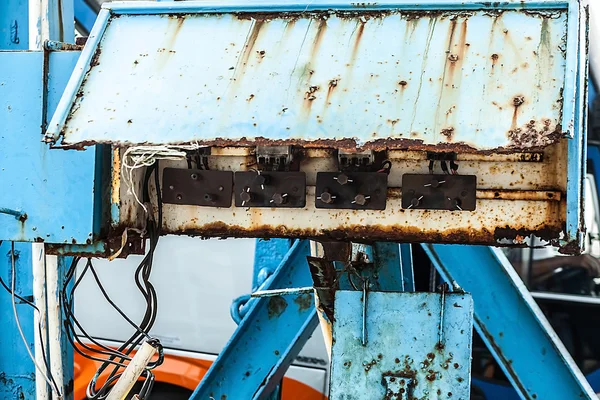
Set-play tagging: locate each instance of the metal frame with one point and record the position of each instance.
(254, 356)
(511, 324)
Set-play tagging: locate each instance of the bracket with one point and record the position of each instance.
(352, 190)
(439, 192)
(270, 189)
(197, 187)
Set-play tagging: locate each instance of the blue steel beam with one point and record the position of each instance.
(268, 338)
(511, 324)
(406, 264)
(85, 16)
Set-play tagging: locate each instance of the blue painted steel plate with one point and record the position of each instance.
(55, 189)
(406, 349)
(382, 76)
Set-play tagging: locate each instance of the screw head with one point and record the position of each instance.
(435, 183)
(246, 196)
(343, 179)
(414, 202)
(208, 197)
(194, 176)
(179, 197)
(360, 199)
(326, 198)
(279, 199)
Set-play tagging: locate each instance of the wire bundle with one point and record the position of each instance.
(118, 359)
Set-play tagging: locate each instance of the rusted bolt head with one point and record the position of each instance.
(343, 179)
(246, 196)
(453, 57)
(518, 100)
(360, 199)
(279, 199)
(403, 83)
(326, 198)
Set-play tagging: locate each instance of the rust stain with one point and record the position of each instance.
(276, 306)
(330, 88)
(250, 41)
(375, 232)
(304, 302)
(360, 29)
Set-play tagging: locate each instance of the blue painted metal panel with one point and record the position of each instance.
(54, 188)
(136, 48)
(577, 147)
(267, 339)
(387, 272)
(511, 324)
(85, 16)
(17, 372)
(421, 339)
(14, 25)
(268, 254)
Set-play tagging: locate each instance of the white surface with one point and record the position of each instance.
(38, 256)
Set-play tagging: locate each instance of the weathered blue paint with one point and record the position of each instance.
(229, 121)
(52, 185)
(268, 254)
(511, 324)
(423, 337)
(577, 147)
(406, 264)
(267, 339)
(17, 372)
(14, 25)
(387, 273)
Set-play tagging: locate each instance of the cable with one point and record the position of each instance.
(119, 358)
(51, 382)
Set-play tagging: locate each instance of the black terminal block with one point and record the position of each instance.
(197, 187)
(270, 189)
(351, 190)
(439, 192)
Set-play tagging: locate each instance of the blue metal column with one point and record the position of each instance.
(17, 372)
(268, 338)
(511, 324)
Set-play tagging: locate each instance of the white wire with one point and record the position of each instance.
(14, 307)
(146, 156)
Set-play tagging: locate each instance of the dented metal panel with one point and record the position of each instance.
(455, 77)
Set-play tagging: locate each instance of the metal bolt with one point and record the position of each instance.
(518, 100)
(415, 202)
(221, 188)
(279, 199)
(246, 196)
(343, 179)
(326, 198)
(361, 199)
(455, 204)
(453, 57)
(194, 176)
(434, 183)
(208, 197)
(179, 197)
(261, 180)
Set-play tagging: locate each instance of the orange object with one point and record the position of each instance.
(184, 372)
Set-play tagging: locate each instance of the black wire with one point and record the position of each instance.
(444, 165)
(431, 165)
(142, 281)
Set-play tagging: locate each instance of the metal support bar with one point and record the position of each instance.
(406, 265)
(511, 324)
(267, 339)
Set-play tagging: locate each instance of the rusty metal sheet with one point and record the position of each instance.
(393, 77)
